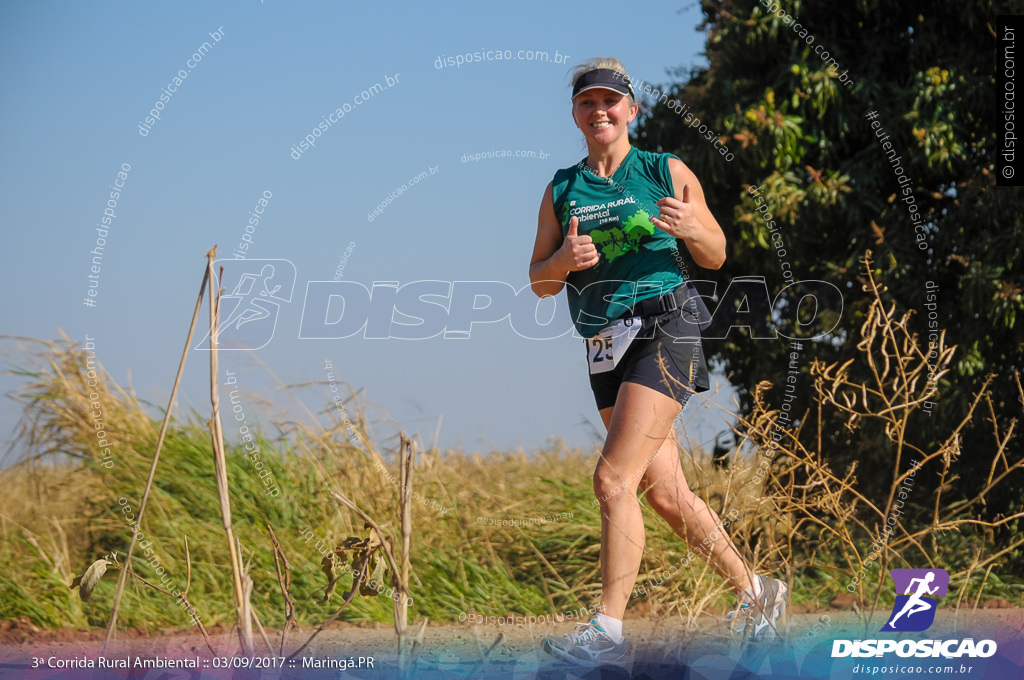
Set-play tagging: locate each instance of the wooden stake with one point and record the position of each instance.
(221, 471)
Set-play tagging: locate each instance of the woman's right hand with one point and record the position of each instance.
(556, 256)
(578, 252)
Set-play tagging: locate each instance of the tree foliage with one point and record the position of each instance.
(802, 137)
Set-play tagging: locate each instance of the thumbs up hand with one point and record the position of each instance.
(578, 252)
(677, 217)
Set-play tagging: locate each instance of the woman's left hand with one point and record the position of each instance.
(677, 217)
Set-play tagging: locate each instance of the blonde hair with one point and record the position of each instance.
(589, 65)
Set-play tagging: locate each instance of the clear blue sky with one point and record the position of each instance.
(79, 78)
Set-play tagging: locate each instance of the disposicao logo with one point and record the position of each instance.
(248, 314)
(914, 611)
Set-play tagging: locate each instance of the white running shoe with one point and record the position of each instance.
(758, 620)
(590, 645)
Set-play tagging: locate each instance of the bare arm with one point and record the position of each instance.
(688, 218)
(554, 257)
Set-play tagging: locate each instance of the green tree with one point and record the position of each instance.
(798, 126)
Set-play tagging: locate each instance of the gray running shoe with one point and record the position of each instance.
(590, 645)
(758, 620)
(736, 619)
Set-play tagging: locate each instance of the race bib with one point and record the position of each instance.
(606, 348)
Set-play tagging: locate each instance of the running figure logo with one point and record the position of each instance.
(248, 314)
(915, 609)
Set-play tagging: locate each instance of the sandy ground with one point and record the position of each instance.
(492, 651)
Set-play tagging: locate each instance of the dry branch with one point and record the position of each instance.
(220, 467)
(122, 579)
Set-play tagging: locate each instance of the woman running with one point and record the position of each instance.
(610, 227)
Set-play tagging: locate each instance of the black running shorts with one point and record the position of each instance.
(666, 356)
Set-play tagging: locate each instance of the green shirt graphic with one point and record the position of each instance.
(637, 259)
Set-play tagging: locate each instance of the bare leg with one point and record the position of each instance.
(637, 427)
(690, 517)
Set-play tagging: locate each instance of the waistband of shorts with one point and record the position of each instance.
(668, 302)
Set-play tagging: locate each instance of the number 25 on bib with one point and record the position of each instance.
(605, 349)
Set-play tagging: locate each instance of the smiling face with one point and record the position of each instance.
(602, 114)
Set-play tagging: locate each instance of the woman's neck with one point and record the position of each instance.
(604, 161)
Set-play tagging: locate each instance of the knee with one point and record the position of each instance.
(611, 487)
(663, 502)
(671, 502)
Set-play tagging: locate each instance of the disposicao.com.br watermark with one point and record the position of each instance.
(176, 81)
(330, 119)
(490, 521)
(499, 55)
(581, 614)
(503, 153)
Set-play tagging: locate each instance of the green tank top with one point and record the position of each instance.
(637, 259)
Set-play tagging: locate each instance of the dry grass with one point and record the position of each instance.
(804, 520)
